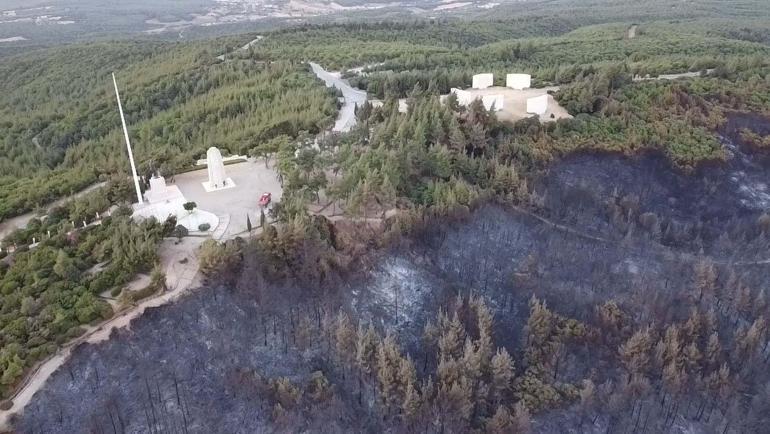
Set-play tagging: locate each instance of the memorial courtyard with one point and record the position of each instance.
(232, 205)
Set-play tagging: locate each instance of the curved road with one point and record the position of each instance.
(346, 118)
(20, 222)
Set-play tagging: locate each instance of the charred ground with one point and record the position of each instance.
(617, 244)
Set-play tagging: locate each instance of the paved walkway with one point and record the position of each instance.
(347, 115)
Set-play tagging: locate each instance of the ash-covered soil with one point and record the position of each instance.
(607, 228)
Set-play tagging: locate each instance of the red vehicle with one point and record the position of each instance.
(265, 199)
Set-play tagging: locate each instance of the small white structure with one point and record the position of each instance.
(537, 105)
(492, 102)
(483, 81)
(159, 192)
(518, 81)
(167, 200)
(218, 180)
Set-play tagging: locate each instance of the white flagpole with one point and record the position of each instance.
(128, 143)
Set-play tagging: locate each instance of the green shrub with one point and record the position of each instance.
(180, 232)
(116, 291)
(203, 227)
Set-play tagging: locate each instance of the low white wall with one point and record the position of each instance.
(537, 105)
(463, 96)
(483, 81)
(518, 81)
(491, 101)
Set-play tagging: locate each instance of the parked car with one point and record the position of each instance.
(265, 199)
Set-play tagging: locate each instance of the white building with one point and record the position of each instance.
(537, 105)
(518, 81)
(483, 81)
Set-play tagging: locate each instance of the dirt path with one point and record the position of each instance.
(673, 76)
(180, 263)
(13, 223)
(244, 48)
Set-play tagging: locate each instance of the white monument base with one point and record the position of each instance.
(229, 183)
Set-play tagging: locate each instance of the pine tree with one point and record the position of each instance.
(387, 371)
(502, 373)
(65, 267)
(451, 340)
(635, 352)
(521, 422)
(366, 349)
(500, 422)
(407, 374)
(411, 406)
(693, 357)
(484, 343)
(471, 361)
(705, 279)
(693, 328)
(713, 354)
(457, 139)
(345, 339)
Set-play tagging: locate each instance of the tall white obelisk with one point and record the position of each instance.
(128, 143)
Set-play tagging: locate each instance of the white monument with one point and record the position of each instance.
(128, 143)
(537, 105)
(518, 81)
(492, 102)
(483, 81)
(216, 168)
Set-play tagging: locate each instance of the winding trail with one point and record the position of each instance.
(244, 48)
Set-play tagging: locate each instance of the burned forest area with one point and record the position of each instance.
(627, 296)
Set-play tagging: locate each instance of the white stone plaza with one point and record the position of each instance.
(231, 205)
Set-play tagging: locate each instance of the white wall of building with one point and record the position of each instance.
(518, 81)
(483, 81)
(490, 101)
(463, 96)
(537, 105)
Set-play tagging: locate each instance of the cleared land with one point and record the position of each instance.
(515, 103)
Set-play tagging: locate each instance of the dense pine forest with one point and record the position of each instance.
(680, 345)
